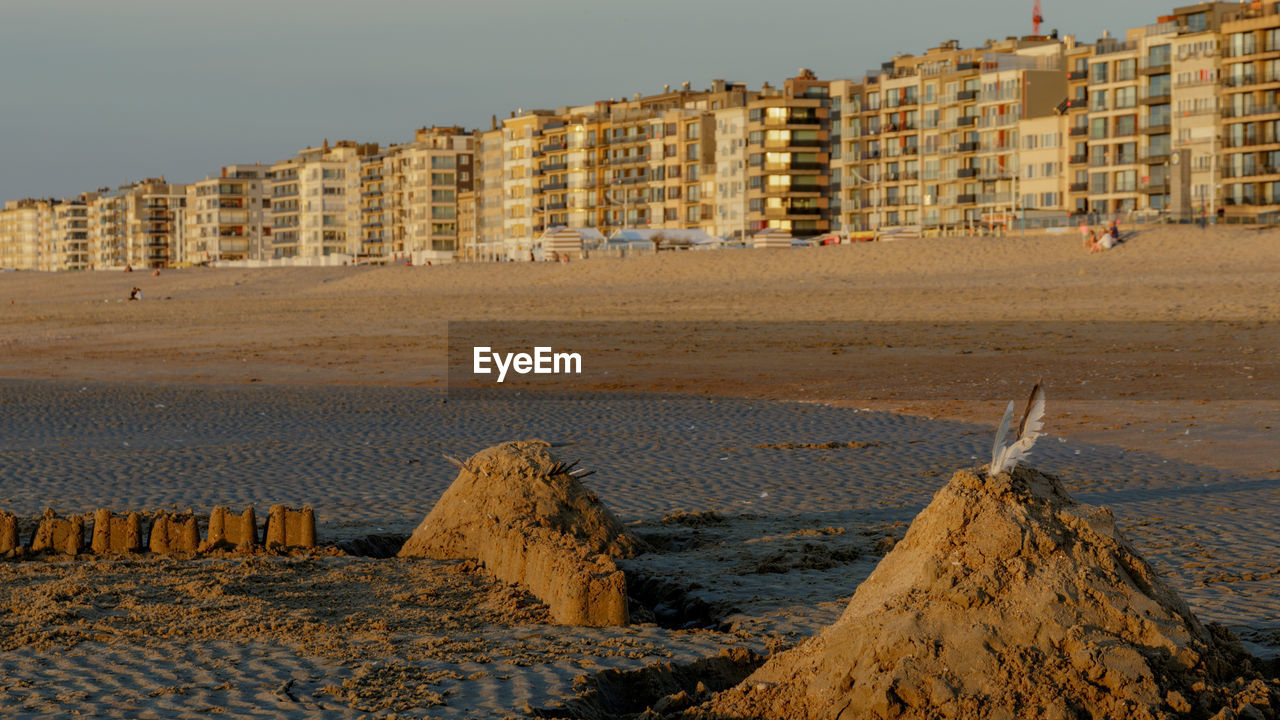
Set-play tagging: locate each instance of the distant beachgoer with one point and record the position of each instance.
(1115, 231)
(1204, 220)
(128, 268)
(135, 294)
(155, 273)
(1090, 238)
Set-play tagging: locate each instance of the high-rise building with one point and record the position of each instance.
(1250, 131)
(227, 216)
(22, 234)
(788, 154)
(315, 201)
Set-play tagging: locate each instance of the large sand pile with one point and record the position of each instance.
(519, 510)
(1006, 599)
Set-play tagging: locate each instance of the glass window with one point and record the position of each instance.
(1098, 72)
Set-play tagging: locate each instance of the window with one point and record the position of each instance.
(692, 130)
(1098, 183)
(1126, 97)
(1125, 70)
(1099, 101)
(1126, 181)
(1098, 72)
(1126, 125)
(442, 162)
(1241, 43)
(1097, 128)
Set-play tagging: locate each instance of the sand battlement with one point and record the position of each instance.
(160, 533)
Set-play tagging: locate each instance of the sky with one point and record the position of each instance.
(99, 93)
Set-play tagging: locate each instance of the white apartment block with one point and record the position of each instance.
(227, 216)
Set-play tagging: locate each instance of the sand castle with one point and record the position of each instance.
(526, 516)
(169, 533)
(1006, 599)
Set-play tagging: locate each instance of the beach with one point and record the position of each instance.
(771, 421)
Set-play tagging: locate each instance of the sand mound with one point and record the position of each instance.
(1008, 599)
(517, 509)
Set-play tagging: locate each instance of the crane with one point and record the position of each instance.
(1036, 19)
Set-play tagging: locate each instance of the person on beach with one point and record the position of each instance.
(135, 294)
(1114, 231)
(1105, 242)
(1090, 238)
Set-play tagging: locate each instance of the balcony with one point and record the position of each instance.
(967, 199)
(969, 172)
(1078, 130)
(1158, 127)
(966, 121)
(1231, 112)
(1153, 157)
(549, 187)
(1154, 96)
(1158, 66)
(1078, 159)
(960, 67)
(1078, 75)
(1253, 170)
(965, 147)
(1231, 51)
(1078, 187)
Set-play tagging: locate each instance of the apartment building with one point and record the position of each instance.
(137, 225)
(381, 233)
(68, 239)
(730, 201)
(1076, 110)
(227, 216)
(490, 192)
(788, 157)
(315, 201)
(521, 148)
(1250, 131)
(430, 173)
(1195, 105)
(22, 234)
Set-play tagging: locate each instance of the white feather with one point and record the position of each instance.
(1028, 431)
(998, 447)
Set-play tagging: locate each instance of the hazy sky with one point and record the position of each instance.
(94, 93)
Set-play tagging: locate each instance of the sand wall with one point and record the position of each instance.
(168, 532)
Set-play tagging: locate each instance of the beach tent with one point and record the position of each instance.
(561, 241)
(772, 238)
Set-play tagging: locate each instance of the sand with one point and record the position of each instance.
(770, 421)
